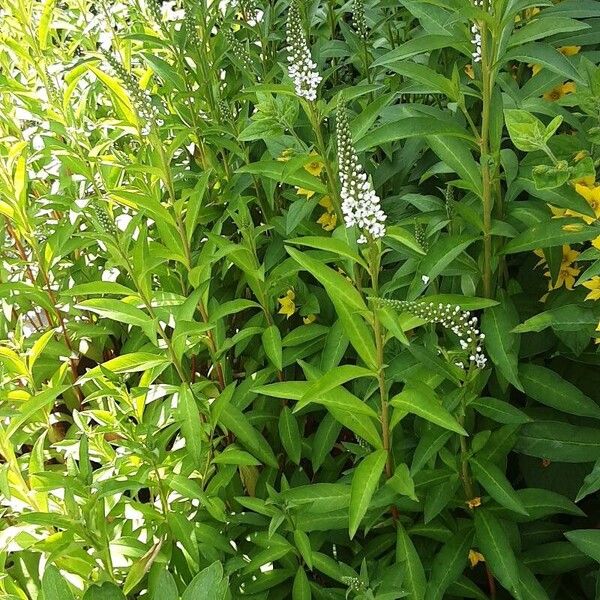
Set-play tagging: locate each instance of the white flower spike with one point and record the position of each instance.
(301, 69)
(360, 204)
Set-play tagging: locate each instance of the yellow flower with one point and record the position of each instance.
(328, 221)
(592, 195)
(304, 192)
(474, 502)
(529, 13)
(594, 286)
(288, 306)
(286, 155)
(559, 91)
(309, 319)
(475, 558)
(596, 242)
(326, 203)
(315, 166)
(567, 273)
(569, 50)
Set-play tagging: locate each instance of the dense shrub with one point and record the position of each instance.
(298, 299)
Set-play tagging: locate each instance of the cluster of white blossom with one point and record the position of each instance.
(358, 19)
(476, 41)
(452, 317)
(360, 204)
(301, 69)
(147, 112)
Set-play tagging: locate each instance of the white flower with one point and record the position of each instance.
(476, 40)
(461, 323)
(360, 203)
(425, 279)
(302, 69)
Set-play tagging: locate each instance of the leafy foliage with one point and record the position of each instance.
(299, 299)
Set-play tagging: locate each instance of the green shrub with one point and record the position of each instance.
(298, 300)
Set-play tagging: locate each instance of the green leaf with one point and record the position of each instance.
(591, 483)
(347, 301)
(449, 564)
(421, 400)
(494, 545)
(235, 421)
(541, 503)
(356, 422)
(94, 288)
(364, 483)
(325, 437)
(45, 24)
(120, 311)
(303, 544)
(441, 254)
(569, 317)
(128, 363)
(425, 75)
(456, 154)
(188, 416)
(402, 482)
(410, 127)
(54, 586)
(499, 411)
(333, 245)
(559, 441)
(106, 591)
(526, 131)
(549, 388)
(406, 554)
(419, 45)
(280, 172)
(207, 584)
(301, 586)
(162, 585)
(501, 344)
(234, 456)
(496, 484)
(554, 558)
(587, 540)
(544, 27)
(271, 339)
(554, 232)
(547, 56)
(337, 286)
(289, 434)
(333, 379)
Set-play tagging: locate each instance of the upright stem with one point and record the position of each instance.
(486, 81)
(374, 264)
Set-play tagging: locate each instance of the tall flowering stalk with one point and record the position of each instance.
(451, 317)
(360, 204)
(147, 113)
(301, 69)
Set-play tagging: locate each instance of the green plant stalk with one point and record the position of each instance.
(366, 61)
(486, 81)
(374, 266)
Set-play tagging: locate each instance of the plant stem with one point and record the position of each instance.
(486, 81)
(374, 265)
